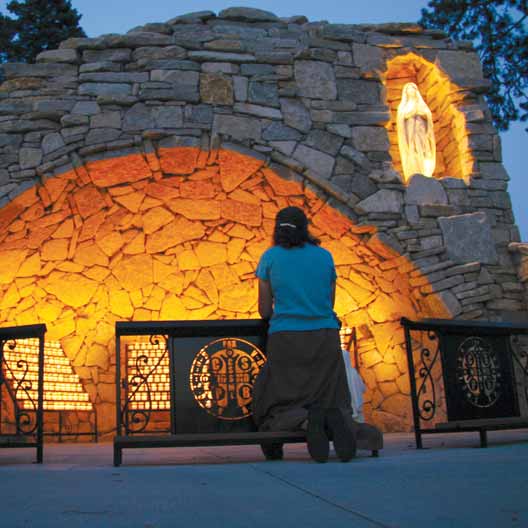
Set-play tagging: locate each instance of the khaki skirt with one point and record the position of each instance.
(304, 369)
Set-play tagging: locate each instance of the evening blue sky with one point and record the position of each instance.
(118, 16)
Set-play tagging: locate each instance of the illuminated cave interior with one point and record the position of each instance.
(176, 235)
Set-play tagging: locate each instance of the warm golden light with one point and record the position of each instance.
(63, 390)
(415, 134)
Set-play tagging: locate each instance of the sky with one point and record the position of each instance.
(118, 16)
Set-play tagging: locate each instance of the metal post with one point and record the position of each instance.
(170, 344)
(118, 385)
(40, 405)
(414, 396)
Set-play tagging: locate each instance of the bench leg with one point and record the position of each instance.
(117, 456)
(483, 438)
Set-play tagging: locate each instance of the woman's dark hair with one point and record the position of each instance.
(291, 229)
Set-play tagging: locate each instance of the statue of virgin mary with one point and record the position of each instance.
(415, 134)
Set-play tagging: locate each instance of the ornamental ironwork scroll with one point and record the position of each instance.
(19, 388)
(427, 391)
(139, 404)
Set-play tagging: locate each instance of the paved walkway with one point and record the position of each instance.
(452, 484)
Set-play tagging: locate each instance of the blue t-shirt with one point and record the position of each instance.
(301, 280)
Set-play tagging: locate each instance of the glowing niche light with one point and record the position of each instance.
(63, 390)
(415, 134)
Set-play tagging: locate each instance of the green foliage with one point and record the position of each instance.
(38, 25)
(498, 31)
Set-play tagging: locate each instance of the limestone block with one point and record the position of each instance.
(102, 135)
(257, 110)
(138, 117)
(370, 59)
(315, 79)
(493, 171)
(174, 233)
(83, 108)
(192, 18)
(263, 93)
(220, 56)
(240, 87)
(383, 201)
(134, 272)
(60, 55)
(444, 304)
(55, 249)
(195, 209)
(211, 253)
(236, 167)
(95, 89)
(238, 127)
(120, 304)
(468, 238)
(29, 158)
(341, 32)
(357, 157)
(52, 142)
(71, 289)
(370, 139)
(247, 14)
(135, 40)
(114, 77)
(358, 91)
(459, 64)
(243, 213)
(423, 190)
(296, 115)
(278, 132)
(340, 130)
(241, 298)
(321, 163)
(324, 141)
(106, 120)
(15, 70)
(216, 89)
(111, 55)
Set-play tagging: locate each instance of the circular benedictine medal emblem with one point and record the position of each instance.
(478, 372)
(222, 377)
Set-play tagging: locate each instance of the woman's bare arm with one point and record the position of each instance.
(265, 299)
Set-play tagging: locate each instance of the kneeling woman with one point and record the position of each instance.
(304, 379)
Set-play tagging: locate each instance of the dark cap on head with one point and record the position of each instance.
(292, 215)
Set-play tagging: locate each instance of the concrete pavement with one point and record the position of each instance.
(452, 484)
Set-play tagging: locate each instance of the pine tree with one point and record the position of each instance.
(39, 25)
(498, 30)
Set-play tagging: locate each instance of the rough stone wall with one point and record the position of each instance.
(312, 101)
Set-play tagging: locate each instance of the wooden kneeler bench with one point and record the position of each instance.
(195, 378)
(366, 440)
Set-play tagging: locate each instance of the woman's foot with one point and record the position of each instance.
(318, 444)
(343, 436)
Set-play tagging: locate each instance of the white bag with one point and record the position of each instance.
(356, 387)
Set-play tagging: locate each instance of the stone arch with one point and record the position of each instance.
(454, 158)
(175, 233)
